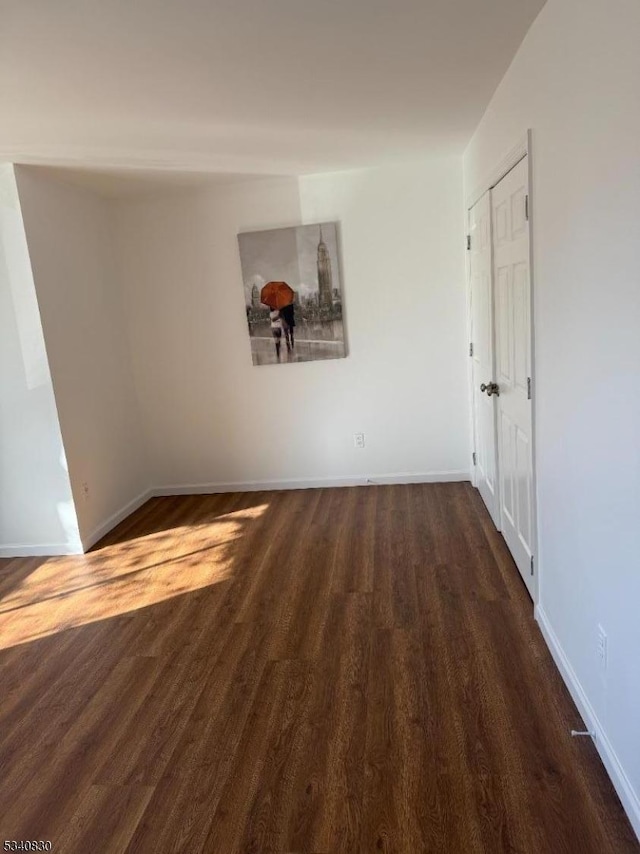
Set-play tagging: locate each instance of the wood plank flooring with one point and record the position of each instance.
(336, 670)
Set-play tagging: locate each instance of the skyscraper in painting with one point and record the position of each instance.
(325, 281)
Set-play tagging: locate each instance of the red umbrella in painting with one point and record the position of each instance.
(277, 295)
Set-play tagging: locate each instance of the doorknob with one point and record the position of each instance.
(491, 388)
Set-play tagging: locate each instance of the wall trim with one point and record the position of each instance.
(515, 155)
(629, 797)
(56, 549)
(40, 549)
(101, 530)
(311, 483)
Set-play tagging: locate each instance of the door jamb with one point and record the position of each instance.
(474, 442)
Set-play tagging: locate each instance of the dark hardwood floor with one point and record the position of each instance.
(337, 670)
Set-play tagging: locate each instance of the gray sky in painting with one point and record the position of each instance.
(288, 255)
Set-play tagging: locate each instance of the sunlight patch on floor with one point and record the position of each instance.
(62, 593)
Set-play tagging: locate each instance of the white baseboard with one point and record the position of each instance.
(310, 483)
(626, 793)
(101, 530)
(56, 549)
(211, 488)
(40, 550)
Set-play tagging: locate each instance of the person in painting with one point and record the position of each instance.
(287, 313)
(276, 329)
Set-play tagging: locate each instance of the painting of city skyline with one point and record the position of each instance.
(292, 294)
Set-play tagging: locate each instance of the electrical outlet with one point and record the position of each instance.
(602, 647)
(358, 440)
(85, 489)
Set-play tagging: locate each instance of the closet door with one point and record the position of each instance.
(512, 317)
(482, 354)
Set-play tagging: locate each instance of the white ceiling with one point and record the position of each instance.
(248, 86)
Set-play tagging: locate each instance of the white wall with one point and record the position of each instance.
(71, 250)
(213, 418)
(575, 83)
(37, 515)
(403, 268)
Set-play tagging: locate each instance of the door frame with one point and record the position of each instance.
(521, 150)
(475, 479)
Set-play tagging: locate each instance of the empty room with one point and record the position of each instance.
(320, 426)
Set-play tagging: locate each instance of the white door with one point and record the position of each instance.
(483, 366)
(512, 312)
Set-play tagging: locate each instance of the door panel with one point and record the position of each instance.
(513, 357)
(483, 353)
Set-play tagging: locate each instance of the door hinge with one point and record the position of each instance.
(528, 388)
(468, 241)
(531, 564)
(474, 458)
(471, 349)
(526, 207)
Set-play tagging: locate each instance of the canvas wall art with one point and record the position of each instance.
(292, 294)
